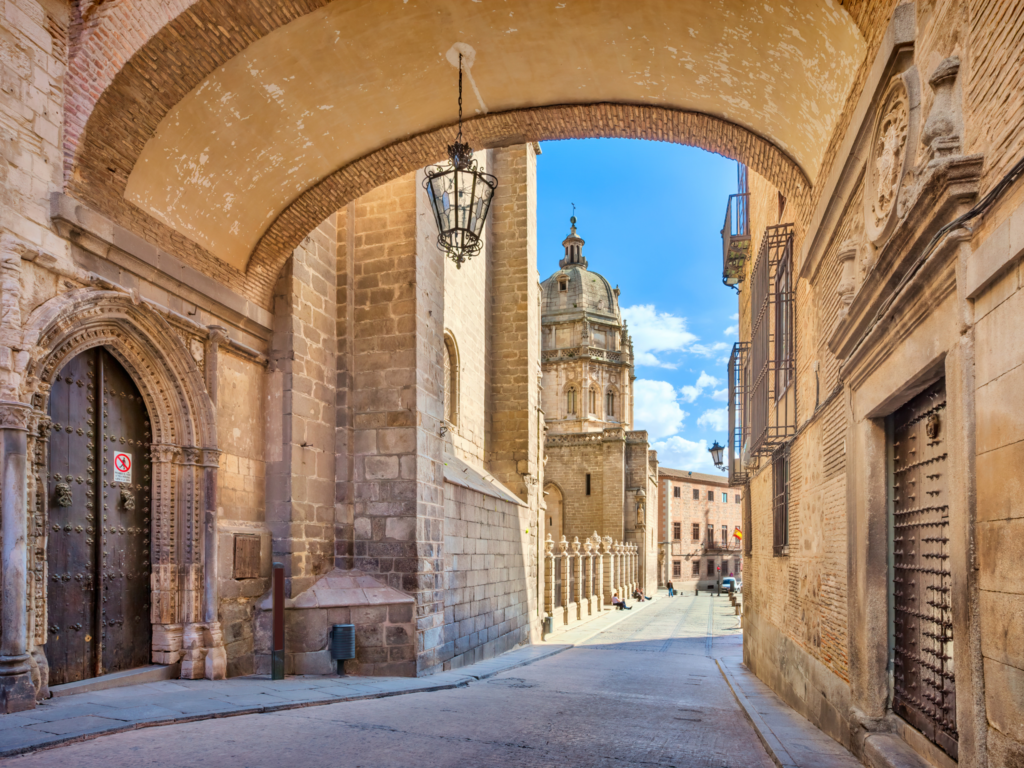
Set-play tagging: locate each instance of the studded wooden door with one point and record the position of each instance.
(98, 588)
(924, 689)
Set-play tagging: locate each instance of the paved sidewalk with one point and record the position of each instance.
(791, 739)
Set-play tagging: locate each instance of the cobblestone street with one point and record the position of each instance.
(646, 691)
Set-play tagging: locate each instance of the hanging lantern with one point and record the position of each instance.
(460, 196)
(716, 452)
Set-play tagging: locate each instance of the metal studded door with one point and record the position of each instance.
(924, 689)
(98, 539)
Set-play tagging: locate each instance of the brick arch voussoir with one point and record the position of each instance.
(627, 121)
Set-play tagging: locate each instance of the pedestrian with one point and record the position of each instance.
(619, 603)
(671, 590)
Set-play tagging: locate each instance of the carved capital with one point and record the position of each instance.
(14, 415)
(210, 457)
(163, 454)
(190, 455)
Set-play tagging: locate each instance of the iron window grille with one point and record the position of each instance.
(737, 448)
(696, 568)
(675, 492)
(696, 532)
(711, 567)
(696, 494)
(677, 531)
(677, 568)
(711, 495)
(780, 501)
(772, 399)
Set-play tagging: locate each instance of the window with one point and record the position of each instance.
(677, 531)
(739, 566)
(738, 498)
(563, 286)
(696, 531)
(593, 400)
(711, 495)
(725, 498)
(695, 571)
(451, 380)
(609, 405)
(725, 535)
(780, 501)
(783, 326)
(675, 491)
(696, 495)
(677, 568)
(710, 539)
(588, 484)
(711, 567)
(725, 568)
(570, 401)
(769, 406)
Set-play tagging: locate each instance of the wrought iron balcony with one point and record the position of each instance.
(735, 238)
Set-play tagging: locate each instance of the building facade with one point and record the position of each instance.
(600, 474)
(699, 518)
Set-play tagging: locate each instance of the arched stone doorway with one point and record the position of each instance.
(182, 608)
(98, 540)
(556, 511)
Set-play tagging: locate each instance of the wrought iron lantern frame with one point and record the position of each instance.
(460, 195)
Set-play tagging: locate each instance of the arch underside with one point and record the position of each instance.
(228, 156)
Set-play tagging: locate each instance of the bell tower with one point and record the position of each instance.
(573, 245)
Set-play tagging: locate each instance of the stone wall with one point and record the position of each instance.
(301, 412)
(488, 541)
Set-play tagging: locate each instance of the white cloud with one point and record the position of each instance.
(735, 316)
(656, 409)
(732, 330)
(654, 331)
(721, 395)
(692, 392)
(679, 453)
(709, 350)
(714, 418)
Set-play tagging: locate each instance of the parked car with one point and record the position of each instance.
(729, 584)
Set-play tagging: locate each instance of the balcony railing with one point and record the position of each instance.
(735, 238)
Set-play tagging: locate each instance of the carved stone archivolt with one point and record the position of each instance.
(183, 433)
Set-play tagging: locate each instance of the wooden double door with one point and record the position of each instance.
(98, 541)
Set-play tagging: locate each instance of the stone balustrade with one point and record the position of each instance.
(581, 577)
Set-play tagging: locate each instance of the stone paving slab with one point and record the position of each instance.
(94, 713)
(791, 740)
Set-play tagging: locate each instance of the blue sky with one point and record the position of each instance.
(651, 215)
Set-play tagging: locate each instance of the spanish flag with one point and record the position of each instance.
(737, 533)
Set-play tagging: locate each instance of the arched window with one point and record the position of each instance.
(570, 401)
(593, 400)
(609, 405)
(451, 380)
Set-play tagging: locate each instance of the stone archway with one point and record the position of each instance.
(184, 465)
(234, 206)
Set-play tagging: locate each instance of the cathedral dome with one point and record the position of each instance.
(574, 290)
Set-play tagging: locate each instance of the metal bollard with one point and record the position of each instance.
(277, 651)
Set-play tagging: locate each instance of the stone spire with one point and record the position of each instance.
(573, 245)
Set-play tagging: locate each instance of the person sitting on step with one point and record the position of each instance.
(619, 603)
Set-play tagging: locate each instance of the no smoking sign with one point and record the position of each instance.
(122, 467)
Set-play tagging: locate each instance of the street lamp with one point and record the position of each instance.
(716, 451)
(460, 196)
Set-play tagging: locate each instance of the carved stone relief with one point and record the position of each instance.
(893, 141)
(943, 130)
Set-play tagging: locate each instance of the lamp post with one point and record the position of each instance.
(716, 452)
(460, 196)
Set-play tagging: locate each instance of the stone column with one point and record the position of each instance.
(588, 574)
(578, 570)
(216, 664)
(599, 573)
(549, 576)
(608, 571)
(17, 692)
(563, 547)
(165, 611)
